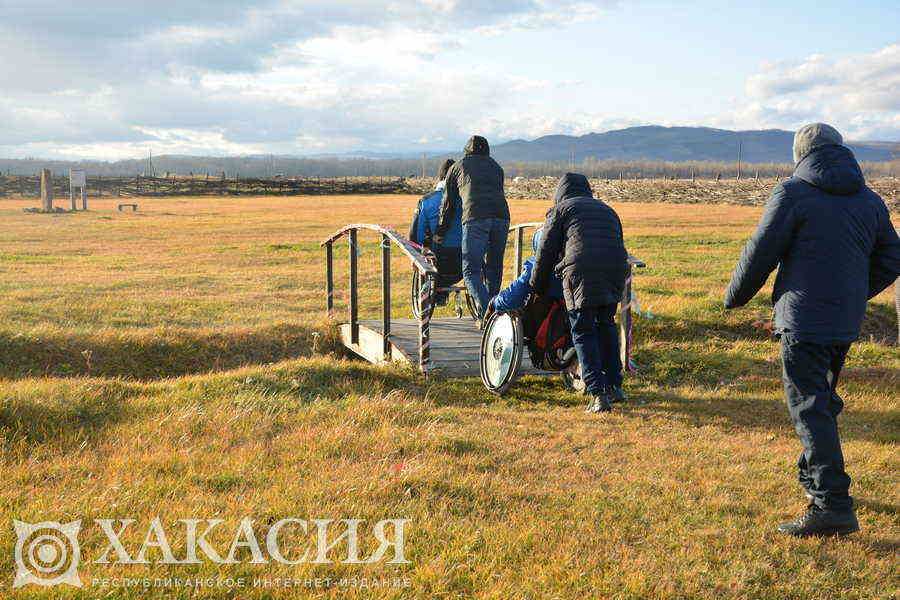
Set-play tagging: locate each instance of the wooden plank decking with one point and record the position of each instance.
(455, 345)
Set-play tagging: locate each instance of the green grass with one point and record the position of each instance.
(179, 364)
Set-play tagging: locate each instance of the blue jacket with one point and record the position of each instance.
(518, 291)
(425, 221)
(833, 242)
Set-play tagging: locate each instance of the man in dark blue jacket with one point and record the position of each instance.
(835, 246)
(583, 245)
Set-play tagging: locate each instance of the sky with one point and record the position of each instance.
(111, 79)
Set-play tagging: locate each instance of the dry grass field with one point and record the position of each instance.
(177, 362)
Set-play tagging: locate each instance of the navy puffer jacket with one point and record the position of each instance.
(835, 246)
(583, 245)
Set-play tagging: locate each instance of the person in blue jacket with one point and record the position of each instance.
(423, 229)
(516, 295)
(834, 245)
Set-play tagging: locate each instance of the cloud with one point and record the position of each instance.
(268, 75)
(858, 94)
(109, 79)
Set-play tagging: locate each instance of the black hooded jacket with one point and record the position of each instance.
(474, 186)
(835, 246)
(583, 245)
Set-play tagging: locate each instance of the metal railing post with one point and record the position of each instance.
(354, 306)
(520, 232)
(625, 323)
(425, 322)
(329, 277)
(386, 294)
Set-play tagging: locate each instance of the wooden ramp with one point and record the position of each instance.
(451, 346)
(455, 345)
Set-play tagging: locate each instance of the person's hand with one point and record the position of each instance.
(438, 239)
(490, 309)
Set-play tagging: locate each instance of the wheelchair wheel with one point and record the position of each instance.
(416, 294)
(415, 289)
(501, 351)
(470, 301)
(470, 304)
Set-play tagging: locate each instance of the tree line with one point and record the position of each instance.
(269, 167)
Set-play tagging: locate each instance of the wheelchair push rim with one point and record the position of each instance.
(502, 346)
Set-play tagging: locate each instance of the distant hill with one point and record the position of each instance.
(674, 144)
(650, 143)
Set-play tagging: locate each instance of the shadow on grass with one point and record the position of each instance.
(158, 353)
(756, 413)
(752, 324)
(673, 365)
(880, 507)
(305, 382)
(883, 548)
(65, 415)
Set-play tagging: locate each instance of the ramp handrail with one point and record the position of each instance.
(429, 274)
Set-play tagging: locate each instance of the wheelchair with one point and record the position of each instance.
(505, 341)
(449, 276)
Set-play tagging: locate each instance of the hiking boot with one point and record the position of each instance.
(599, 403)
(618, 394)
(819, 522)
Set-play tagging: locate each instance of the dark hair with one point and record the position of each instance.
(445, 167)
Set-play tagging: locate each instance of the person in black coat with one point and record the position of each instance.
(835, 247)
(583, 245)
(475, 195)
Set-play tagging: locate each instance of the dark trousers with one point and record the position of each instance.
(596, 341)
(483, 246)
(448, 261)
(810, 374)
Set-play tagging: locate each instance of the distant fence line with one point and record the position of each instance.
(395, 169)
(140, 186)
(614, 169)
(622, 187)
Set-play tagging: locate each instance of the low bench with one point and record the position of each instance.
(133, 206)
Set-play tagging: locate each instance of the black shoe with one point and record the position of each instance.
(819, 522)
(599, 403)
(618, 394)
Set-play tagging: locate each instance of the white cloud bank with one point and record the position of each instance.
(859, 94)
(109, 79)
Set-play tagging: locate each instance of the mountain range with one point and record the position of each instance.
(675, 144)
(647, 143)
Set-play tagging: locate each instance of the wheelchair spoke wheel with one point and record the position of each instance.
(415, 291)
(501, 351)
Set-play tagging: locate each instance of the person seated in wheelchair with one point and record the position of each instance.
(448, 254)
(545, 326)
